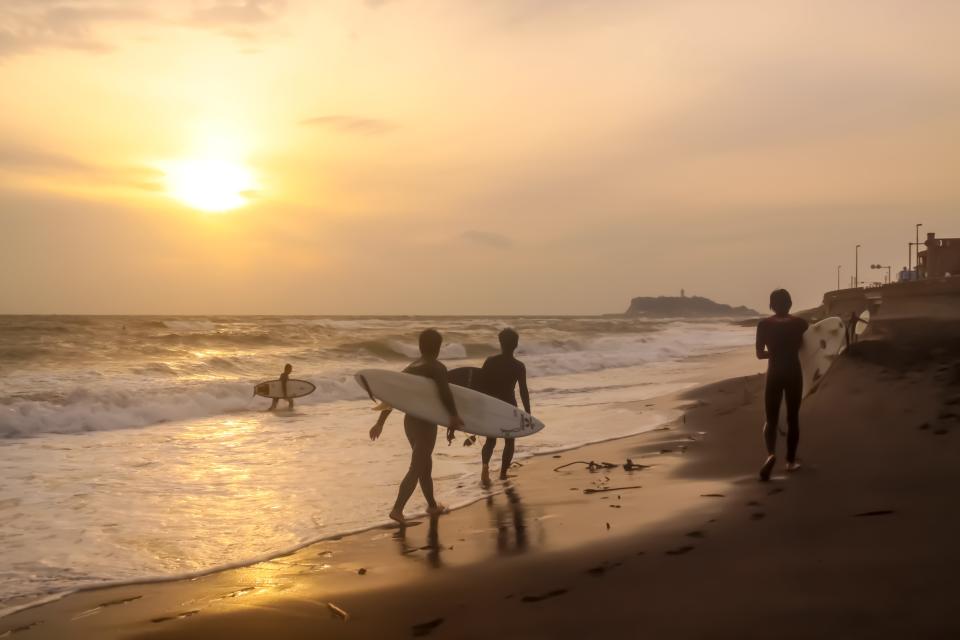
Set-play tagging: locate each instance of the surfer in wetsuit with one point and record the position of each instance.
(778, 340)
(284, 377)
(499, 377)
(422, 435)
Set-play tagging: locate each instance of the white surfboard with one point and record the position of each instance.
(418, 396)
(295, 389)
(822, 343)
(863, 321)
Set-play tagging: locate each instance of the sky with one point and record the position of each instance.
(466, 156)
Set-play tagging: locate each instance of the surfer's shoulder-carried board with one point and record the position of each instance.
(418, 396)
(274, 389)
(822, 343)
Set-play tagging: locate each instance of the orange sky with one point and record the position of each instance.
(455, 156)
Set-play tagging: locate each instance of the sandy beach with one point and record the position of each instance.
(859, 543)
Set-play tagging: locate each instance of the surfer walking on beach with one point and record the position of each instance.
(422, 435)
(500, 376)
(284, 378)
(779, 338)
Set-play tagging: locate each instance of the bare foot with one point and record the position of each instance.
(793, 466)
(398, 517)
(767, 468)
(485, 477)
(437, 510)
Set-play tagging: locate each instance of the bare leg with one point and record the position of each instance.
(507, 460)
(485, 454)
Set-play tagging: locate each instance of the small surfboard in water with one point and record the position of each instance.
(417, 396)
(273, 389)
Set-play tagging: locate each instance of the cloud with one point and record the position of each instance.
(351, 124)
(26, 161)
(231, 13)
(28, 26)
(487, 239)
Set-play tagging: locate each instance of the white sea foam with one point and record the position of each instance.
(130, 456)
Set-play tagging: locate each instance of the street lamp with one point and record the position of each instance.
(880, 266)
(856, 267)
(917, 246)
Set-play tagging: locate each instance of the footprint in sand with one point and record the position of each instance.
(712, 495)
(601, 569)
(881, 512)
(97, 609)
(549, 594)
(696, 534)
(176, 616)
(759, 515)
(424, 628)
(679, 550)
(23, 627)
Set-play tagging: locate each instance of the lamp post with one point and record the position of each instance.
(856, 267)
(880, 266)
(838, 277)
(917, 246)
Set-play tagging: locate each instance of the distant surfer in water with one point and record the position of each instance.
(422, 435)
(284, 377)
(499, 378)
(778, 340)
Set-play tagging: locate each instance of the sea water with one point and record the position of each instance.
(132, 448)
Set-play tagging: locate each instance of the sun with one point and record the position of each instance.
(211, 185)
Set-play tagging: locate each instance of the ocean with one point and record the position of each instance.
(132, 447)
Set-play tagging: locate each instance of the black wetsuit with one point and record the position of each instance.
(499, 378)
(422, 436)
(782, 337)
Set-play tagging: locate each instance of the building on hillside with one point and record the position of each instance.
(940, 259)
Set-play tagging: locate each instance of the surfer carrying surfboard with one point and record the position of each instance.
(500, 376)
(422, 435)
(779, 338)
(284, 378)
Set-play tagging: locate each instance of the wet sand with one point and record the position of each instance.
(860, 543)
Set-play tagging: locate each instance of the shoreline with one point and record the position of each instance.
(713, 366)
(857, 544)
(713, 363)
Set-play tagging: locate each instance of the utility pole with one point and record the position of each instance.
(856, 267)
(838, 277)
(917, 245)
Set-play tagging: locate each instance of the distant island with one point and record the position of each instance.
(684, 307)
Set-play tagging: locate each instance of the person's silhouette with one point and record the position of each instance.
(779, 338)
(501, 374)
(284, 378)
(422, 435)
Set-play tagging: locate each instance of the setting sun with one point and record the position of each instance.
(210, 185)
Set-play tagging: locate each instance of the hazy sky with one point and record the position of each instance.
(466, 156)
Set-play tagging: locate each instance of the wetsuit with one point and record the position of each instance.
(499, 378)
(422, 436)
(782, 337)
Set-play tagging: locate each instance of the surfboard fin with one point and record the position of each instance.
(366, 387)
